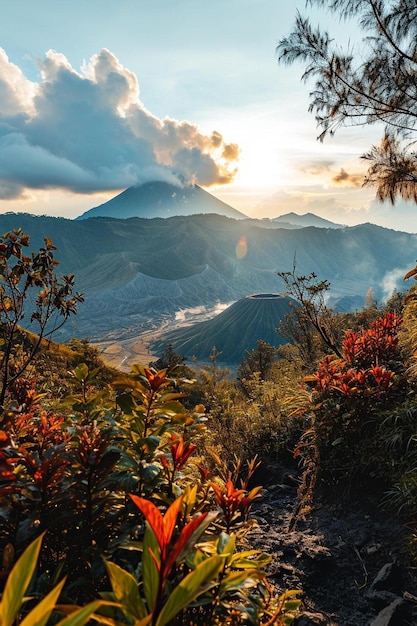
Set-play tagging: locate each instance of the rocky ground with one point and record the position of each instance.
(348, 560)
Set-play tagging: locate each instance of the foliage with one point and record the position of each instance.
(82, 477)
(367, 85)
(168, 359)
(358, 404)
(311, 316)
(13, 602)
(29, 287)
(402, 493)
(197, 581)
(260, 359)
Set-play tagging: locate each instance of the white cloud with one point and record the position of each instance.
(88, 131)
(16, 92)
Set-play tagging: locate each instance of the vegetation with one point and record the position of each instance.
(100, 471)
(29, 288)
(129, 498)
(368, 85)
(84, 478)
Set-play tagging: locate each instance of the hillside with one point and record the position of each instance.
(138, 273)
(161, 199)
(233, 332)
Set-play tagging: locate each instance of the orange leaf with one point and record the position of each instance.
(170, 519)
(153, 517)
(185, 535)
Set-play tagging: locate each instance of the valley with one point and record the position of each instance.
(139, 275)
(122, 352)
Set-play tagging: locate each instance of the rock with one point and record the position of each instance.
(380, 599)
(373, 549)
(393, 615)
(389, 578)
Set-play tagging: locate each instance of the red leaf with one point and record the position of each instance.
(170, 519)
(153, 517)
(185, 535)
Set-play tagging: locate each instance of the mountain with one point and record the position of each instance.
(138, 274)
(234, 331)
(161, 199)
(302, 221)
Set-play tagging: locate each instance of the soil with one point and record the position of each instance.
(334, 555)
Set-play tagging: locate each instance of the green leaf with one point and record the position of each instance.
(18, 582)
(242, 580)
(149, 472)
(81, 372)
(170, 407)
(246, 560)
(292, 605)
(168, 397)
(149, 443)
(190, 588)
(226, 544)
(42, 611)
(150, 574)
(82, 615)
(107, 462)
(126, 403)
(126, 590)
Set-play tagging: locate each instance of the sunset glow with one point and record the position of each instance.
(143, 95)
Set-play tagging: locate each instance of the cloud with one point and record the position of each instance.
(343, 205)
(88, 131)
(316, 167)
(348, 180)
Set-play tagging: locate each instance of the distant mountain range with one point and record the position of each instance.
(302, 221)
(161, 199)
(234, 332)
(137, 274)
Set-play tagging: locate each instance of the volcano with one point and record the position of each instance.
(161, 199)
(235, 331)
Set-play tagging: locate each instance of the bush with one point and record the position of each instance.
(119, 480)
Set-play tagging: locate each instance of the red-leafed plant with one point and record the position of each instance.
(188, 576)
(235, 504)
(180, 452)
(167, 587)
(349, 398)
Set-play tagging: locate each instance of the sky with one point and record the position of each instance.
(97, 95)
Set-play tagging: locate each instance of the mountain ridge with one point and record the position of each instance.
(137, 273)
(305, 220)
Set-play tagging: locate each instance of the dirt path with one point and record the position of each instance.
(334, 556)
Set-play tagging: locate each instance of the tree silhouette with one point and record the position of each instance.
(376, 84)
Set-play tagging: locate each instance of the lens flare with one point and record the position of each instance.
(241, 248)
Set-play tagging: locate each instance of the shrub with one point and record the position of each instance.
(89, 477)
